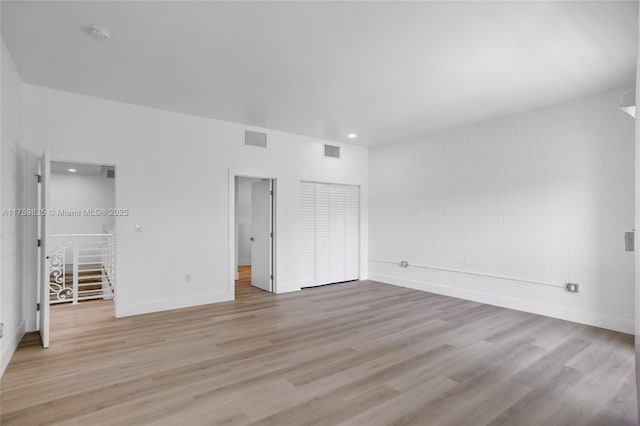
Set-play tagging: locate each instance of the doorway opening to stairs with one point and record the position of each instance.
(254, 223)
(81, 239)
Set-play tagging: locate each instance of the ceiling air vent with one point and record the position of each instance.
(255, 138)
(332, 151)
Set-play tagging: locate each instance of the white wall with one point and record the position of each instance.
(12, 308)
(243, 220)
(71, 191)
(175, 174)
(545, 196)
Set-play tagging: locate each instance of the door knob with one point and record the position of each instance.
(251, 239)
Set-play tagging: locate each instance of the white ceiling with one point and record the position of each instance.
(388, 71)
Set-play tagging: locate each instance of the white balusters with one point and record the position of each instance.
(82, 267)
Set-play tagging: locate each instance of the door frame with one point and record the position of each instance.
(91, 160)
(231, 274)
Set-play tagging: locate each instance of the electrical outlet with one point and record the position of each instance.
(572, 287)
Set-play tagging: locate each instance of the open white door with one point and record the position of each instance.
(45, 173)
(261, 235)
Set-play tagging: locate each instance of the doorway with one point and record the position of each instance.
(254, 226)
(77, 237)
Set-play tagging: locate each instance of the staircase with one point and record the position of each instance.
(81, 267)
(92, 284)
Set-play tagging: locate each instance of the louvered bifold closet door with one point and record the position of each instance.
(338, 237)
(352, 232)
(329, 233)
(323, 234)
(307, 234)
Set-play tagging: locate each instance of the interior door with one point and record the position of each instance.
(323, 234)
(261, 235)
(338, 237)
(307, 235)
(45, 173)
(328, 233)
(352, 232)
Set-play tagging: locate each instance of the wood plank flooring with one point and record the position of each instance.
(361, 353)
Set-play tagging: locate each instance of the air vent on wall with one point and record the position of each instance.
(332, 151)
(111, 173)
(255, 138)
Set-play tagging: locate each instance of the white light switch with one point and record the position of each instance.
(138, 227)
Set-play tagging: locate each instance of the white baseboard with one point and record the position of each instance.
(169, 304)
(583, 317)
(10, 345)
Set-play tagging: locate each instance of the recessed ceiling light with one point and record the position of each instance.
(352, 136)
(72, 170)
(99, 33)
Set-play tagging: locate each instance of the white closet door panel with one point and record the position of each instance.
(307, 235)
(352, 233)
(337, 215)
(323, 234)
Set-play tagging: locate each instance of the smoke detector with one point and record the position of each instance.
(99, 33)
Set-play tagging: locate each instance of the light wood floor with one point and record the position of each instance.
(361, 353)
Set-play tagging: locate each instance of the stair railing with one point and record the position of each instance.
(82, 267)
